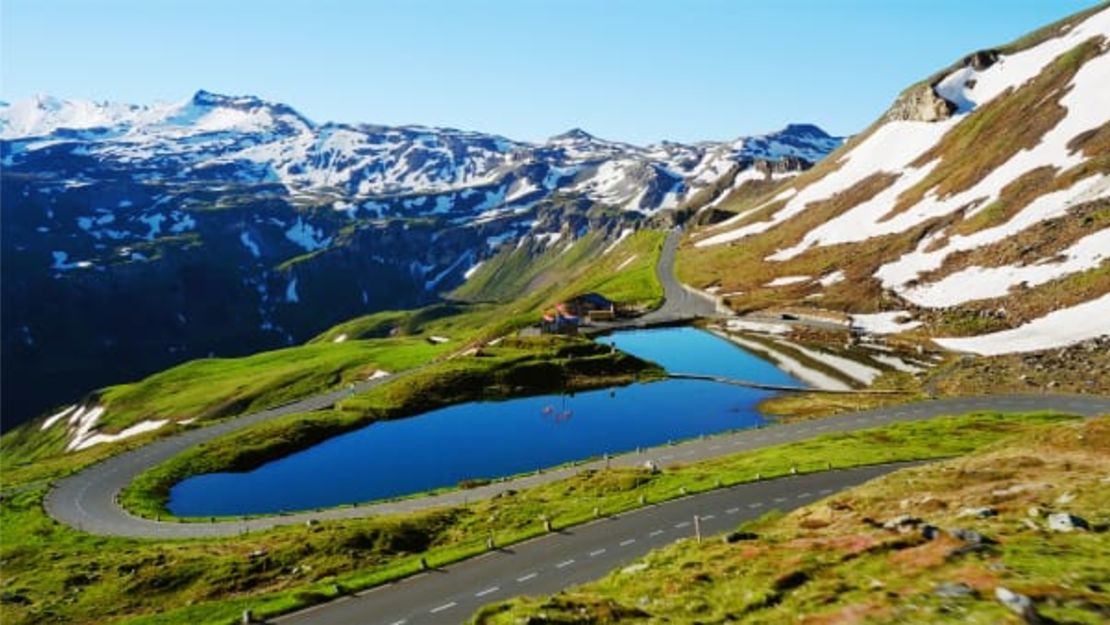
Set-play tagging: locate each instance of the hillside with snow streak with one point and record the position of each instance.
(977, 208)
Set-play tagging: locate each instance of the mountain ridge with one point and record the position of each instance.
(237, 224)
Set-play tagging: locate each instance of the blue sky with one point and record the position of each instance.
(632, 70)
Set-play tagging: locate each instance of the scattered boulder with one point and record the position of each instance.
(970, 537)
(983, 512)
(903, 523)
(1065, 522)
(954, 590)
(930, 532)
(1018, 604)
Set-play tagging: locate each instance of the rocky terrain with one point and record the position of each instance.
(973, 215)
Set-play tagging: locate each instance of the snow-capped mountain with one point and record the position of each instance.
(977, 205)
(253, 141)
(234, 224)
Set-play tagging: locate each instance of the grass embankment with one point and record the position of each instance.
(94, 580)
(832, 562)
(515, 367)
(205, 390)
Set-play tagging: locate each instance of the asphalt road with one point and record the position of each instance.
(574, 556)
(87, 500)
(680, 302)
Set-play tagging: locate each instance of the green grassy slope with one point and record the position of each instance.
(210, 581)
(832, 562)
(626, 273)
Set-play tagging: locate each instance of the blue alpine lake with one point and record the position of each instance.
(489, 439)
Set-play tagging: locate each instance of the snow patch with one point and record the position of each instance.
(307, 236)
(625, 233)
(250, 244)
(98, 438)
(473, 269)
(58, 416)
(627, 262)
(884, 322)
(1056, 329)
(785, 280)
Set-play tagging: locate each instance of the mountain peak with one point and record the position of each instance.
(574, 134)
(804, 130)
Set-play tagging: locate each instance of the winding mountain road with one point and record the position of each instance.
(88, 500)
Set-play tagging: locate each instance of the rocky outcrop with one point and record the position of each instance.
(920, 104)
(980, 60)
(784, 165)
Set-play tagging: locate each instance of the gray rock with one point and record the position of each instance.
(979, 513)
(902, 522)
(1018, 604)
(920, 104)
(954, 590)
(970, 536)
(1064, 522)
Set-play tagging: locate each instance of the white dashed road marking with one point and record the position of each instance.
(526, 577)
(564, 564)
(625, 543)
(487, 591)
(595, 553)
(446, 606)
